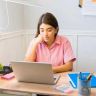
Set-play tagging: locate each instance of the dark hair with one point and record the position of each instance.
(47, 18)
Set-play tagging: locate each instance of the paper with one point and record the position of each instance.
(89, 7)
(64, 88)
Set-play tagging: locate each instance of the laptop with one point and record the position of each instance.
(34, 72)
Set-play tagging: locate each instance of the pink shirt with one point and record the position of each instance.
(59, 53)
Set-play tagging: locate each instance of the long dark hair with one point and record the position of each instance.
(47, 18)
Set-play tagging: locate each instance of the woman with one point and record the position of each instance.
(48, 46)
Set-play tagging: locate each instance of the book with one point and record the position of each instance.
(8, 76)
(73, 79)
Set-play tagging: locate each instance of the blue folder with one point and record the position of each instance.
(73, 77)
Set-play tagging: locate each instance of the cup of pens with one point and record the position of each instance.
(84, 82)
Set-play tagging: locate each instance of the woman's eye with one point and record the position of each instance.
(41, 30)
(49, 30)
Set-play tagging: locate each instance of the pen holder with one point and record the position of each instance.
(84, 88)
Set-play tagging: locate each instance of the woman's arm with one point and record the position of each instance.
(31, 52)
(64, 68)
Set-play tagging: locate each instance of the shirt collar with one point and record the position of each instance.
(57, 40)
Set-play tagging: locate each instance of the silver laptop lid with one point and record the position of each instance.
(36, 72)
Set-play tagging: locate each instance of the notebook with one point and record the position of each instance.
(73, 79)
(35, 72)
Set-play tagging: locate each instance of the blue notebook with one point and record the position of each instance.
(74, 76)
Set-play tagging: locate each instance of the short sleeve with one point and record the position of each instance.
(68, 52)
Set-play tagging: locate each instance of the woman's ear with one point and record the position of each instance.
(56, 32)
(57, 29)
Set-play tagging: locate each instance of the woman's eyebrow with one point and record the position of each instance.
(41, 28)
(49, 28)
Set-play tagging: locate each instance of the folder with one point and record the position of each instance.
(73, 79)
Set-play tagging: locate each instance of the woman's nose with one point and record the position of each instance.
(45, 33)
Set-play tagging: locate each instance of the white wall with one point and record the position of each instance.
(12, 16)
(3, 15)
(80, 29)
(87, 53)
(11, 47)
(67, 12)
(11, 32)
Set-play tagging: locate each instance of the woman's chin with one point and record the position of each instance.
(46, 40)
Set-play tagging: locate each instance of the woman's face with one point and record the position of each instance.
(48, 33)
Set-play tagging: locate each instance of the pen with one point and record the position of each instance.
(80, 75)
(89, 76)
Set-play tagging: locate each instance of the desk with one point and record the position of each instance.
(14, 86)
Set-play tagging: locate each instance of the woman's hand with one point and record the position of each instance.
(39, 39)
(31, 53)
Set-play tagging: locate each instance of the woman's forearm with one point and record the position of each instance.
(63, 68)
(31, 53)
